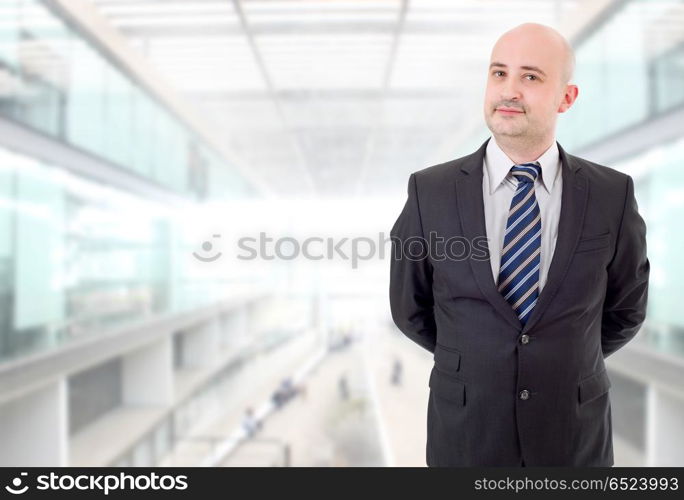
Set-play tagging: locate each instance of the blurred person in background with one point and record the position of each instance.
(250, 423)
(395, 378)
(553, 278)
(343, 387)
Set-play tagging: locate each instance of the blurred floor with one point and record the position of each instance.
(250, 386)
(321, 428)
(379, 424)
(403, 407)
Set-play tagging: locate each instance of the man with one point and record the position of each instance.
(521, 267)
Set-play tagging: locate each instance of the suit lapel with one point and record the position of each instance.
(471, 214)
(573, 207)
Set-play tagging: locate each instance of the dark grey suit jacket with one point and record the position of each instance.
(502, 394)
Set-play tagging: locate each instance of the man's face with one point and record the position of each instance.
(524, 75)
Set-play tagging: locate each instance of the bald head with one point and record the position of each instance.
(528, 85)
(546, 39)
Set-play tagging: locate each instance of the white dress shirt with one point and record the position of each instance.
(498, 188)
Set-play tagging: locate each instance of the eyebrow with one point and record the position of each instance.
(529, 68)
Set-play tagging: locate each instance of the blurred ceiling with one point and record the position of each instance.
(331, 97)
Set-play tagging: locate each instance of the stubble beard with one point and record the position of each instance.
(514, 126)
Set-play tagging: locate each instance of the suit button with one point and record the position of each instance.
(525, 339)
(524, 394)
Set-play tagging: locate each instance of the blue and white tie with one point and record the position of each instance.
(520, 257)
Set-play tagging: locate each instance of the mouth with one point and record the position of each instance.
(509, 111)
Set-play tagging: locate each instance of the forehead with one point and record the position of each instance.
(525, 52)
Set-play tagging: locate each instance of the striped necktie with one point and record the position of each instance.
(520, 257)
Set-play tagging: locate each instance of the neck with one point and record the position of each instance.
(523, 151)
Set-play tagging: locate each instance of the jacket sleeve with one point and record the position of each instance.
(624, 308)
(411, 300)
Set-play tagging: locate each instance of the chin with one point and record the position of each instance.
(508, 131)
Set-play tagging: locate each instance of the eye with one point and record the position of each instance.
(497, 71)
(533, 76)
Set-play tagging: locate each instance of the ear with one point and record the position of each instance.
(569, 98)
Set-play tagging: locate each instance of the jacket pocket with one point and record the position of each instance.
(595, 242)
(447, 387)
(447, 359)
(592, 387)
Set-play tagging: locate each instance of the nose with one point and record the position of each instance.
(510, 90)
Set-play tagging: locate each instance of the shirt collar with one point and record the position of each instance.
(498, 165)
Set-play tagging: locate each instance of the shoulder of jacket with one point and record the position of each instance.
(440, 172)
(598, 173)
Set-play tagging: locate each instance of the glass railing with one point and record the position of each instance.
(56, 81)
(630, 70)
(78, 257)
(659, 190)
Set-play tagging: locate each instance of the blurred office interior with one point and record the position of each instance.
(162, 160)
